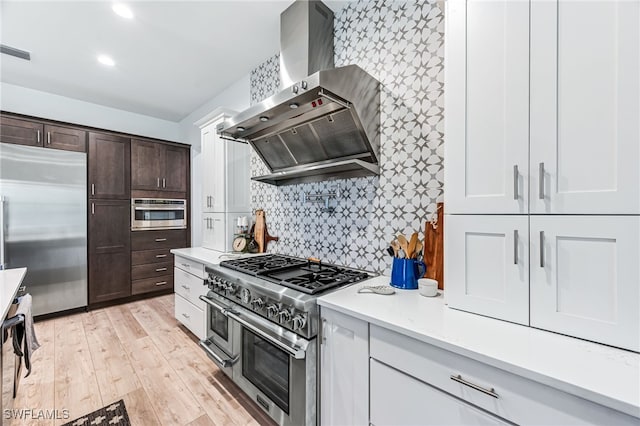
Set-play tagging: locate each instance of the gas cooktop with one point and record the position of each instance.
(307, 276)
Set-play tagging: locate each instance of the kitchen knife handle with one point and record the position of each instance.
(542, 249)
(515, 246)
(541, 181)
(38, 136)
(516, 176)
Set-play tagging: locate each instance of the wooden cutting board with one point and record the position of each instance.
(434, 248)
(261, 234)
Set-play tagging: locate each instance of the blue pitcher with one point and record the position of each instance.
(406, 272)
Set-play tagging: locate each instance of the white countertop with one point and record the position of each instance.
(207, 256)
(598, 373)
(10, 280)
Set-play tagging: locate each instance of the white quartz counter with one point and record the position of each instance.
(598, 373)
(10, 280)
(207, 256)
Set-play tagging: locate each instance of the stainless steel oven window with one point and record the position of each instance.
(267, 368)
(219, 323)
(159, 214)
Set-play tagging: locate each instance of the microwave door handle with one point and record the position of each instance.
(294, 351)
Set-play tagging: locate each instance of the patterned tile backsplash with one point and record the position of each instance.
(401, 43)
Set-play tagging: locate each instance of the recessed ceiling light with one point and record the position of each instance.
(122, 10)
(106, 60)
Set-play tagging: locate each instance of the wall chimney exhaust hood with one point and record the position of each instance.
(325, 123)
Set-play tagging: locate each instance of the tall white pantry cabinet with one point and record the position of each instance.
(542, 164)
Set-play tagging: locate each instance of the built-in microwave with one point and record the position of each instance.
(157, 213)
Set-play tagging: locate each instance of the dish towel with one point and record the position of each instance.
(24, 335)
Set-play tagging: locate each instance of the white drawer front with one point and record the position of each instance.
(519, 400)
(190, 287)
(190, 316)
(398, 400)
(190, 266)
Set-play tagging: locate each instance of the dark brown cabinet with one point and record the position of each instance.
(21, 132)
(159, 167)
(109, 250)
(152, 264)
(66, 138)
(109, 167)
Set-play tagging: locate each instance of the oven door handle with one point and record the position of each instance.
(294, 351)
(219, 306)
(223, 363)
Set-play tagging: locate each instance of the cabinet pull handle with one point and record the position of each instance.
(38, 136)
(93, 208)
(161, 283)
(164, 183)
(541, 181)
(158, 183)
(93, 189)
(516, 176)
(186, 287)
(490, 392)
(186, 265)
(208, 200)
(161, 255)
(160, 269)
(515, 246)
(186, 316)
(159, 240)
(48, 138)
(542, 249)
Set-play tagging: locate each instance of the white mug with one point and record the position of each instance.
(428, 287)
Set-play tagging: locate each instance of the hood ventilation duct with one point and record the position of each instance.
(325, 123)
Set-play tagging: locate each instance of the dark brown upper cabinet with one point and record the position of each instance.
(159, 167)
(21, 132)
(66, 138)
(109, 166)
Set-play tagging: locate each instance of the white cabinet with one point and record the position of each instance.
(487, 104)
(344, 370)
(585, 277)
(546, 122)
(487, 265)
(189, 285)
(585, 107)
(225, 185)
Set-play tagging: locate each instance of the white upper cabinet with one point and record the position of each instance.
(585, 107)
(585, 278)
(487, 265)
(225, 186)
(487, 107)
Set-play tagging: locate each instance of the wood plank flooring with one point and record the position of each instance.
(137, 352)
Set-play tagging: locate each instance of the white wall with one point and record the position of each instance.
(234, 97)
(27, 101)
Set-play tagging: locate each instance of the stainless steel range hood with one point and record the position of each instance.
(321, 126)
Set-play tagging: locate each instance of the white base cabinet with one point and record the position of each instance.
(585, 277)
(189, 285)
(487, 265)
(344, 366)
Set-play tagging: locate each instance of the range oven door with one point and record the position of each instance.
(219, 342)
(277, 369)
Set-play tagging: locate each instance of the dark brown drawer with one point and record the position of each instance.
(149, 240)
(144, 257)
(151, 270)
(149, 285)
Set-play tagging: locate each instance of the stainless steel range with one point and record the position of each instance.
(262, 321)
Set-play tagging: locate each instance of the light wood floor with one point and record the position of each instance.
(137, 352)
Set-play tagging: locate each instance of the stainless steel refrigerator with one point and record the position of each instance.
(43, 223)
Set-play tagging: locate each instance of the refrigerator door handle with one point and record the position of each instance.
(2, 201)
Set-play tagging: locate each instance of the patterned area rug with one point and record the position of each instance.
(112, 415)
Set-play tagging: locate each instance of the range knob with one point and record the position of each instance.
(303, 84)
(299, 321)
(284, 316)
(230, 288)
(272, 310)
(257, 303)
(294, 89)
(245, 295)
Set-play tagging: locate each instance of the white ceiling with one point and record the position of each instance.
(171, 58)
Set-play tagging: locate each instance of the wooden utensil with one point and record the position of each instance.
(418, 250)
(404, 244)
(396, 248)
(261, 234)
(411, 250)
(434, 248)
